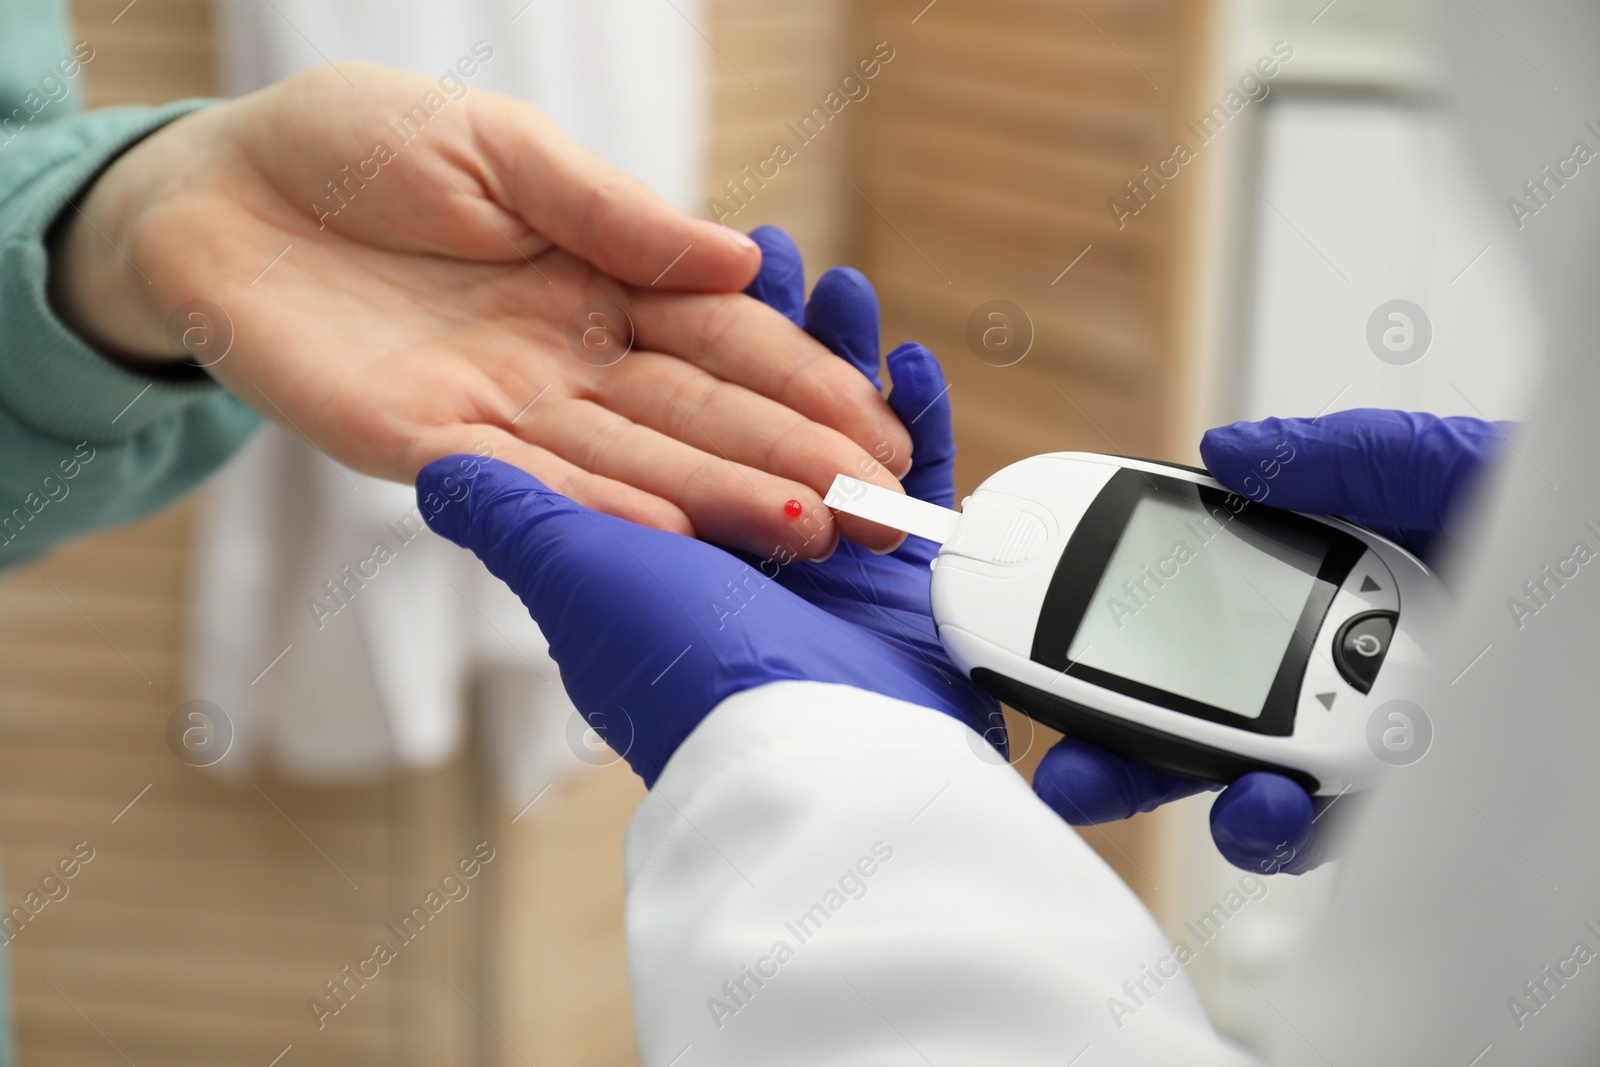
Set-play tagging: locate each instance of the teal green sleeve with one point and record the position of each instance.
(84, 443)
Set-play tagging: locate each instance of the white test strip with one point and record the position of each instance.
(894, 510)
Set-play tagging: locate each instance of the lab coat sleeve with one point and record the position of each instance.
(823, 875)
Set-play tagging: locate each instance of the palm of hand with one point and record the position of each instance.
(402, 361)
(445, 307)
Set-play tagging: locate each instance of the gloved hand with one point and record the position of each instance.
(1397, 473)
(653, 630)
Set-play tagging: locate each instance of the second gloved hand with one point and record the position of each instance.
(1398, 473)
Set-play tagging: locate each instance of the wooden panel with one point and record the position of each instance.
(990, 150)
(148, 51)
(771, 63)
(995, 142)
(564, 972)
(210, 914)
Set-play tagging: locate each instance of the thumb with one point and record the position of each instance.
(1087, 785)
(630, 612)
(1263, 822)
(580, 573)
(585, 579)
(504, 515)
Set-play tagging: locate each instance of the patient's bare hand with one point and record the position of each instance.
(394, 301)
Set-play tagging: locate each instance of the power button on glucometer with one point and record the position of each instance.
(1362, 643)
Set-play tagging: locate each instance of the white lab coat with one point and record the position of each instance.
(1477, 868)
(993, 935)
(883, 894)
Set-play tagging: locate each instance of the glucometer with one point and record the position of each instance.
(1145, 608)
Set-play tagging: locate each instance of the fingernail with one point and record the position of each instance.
(833, 546)
(744, 241)
(891, 548)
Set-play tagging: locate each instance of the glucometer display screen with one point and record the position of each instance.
(1196, 603)
(1193, 599)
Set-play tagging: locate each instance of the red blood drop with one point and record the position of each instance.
(792, 509)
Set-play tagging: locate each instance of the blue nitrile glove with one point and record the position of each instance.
(653, 630)
(887, 593)
(1398, 473)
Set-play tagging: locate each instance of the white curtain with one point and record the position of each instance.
(377, 677)
(624, 77)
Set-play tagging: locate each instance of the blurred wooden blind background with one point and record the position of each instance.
(210, 915)
(990, 153)
(984, 173)
(978, 167)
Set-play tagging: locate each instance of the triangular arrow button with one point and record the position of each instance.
(1327, 699)
(1368, 585)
